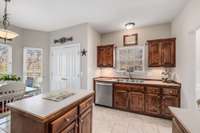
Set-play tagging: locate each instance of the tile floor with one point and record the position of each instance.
(114, 121)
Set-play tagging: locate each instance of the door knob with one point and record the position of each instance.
(63, 78)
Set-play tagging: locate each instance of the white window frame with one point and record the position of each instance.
(9, 58)
(24, 57)
(127, 48)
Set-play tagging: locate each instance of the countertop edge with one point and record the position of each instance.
(172, 110)
(176, 84)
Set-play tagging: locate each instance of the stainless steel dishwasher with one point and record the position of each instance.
(104, 94)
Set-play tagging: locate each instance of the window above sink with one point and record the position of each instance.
(133, 57)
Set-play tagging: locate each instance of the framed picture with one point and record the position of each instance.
(130, 40)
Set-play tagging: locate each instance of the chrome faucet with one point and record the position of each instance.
(129, 70)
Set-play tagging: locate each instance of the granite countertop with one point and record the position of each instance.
(145, 81)
(189, 118)
(42, 108)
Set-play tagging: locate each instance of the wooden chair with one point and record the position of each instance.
(10, 93)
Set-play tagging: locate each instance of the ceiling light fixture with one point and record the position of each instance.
(4, 32)
(129, 25)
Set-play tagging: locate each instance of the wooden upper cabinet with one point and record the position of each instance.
(105, 56)
(161, 53)
(168, 53)
(154, 54)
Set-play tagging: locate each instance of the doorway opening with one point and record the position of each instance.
(65, 67)
(197, 64)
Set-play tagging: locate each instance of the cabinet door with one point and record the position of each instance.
(72, 128)
(169, 101)
(85, 122)
(108, 59)
(100, 56)
(121, 99)
(136, 101)
(152, 104)
(168, 53)
(154, 54)
(105, 56)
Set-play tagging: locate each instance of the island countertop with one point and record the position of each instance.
(188, 118)
(42, 108)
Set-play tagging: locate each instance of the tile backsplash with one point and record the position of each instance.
(151, 73)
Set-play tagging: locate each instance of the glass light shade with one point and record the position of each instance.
(7, 34)
(129, 26)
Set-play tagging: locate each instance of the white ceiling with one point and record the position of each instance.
(103, 15)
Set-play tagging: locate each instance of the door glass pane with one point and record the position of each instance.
(33, 75)
(5, 59)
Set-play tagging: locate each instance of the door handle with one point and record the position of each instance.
(64, 79)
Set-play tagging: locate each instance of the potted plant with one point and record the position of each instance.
(9, 78)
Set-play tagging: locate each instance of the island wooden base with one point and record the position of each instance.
(177, 127)
(74, 119)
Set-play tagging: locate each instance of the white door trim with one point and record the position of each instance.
(50, 59)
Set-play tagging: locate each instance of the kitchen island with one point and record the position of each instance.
(185, 120)
(39, 115)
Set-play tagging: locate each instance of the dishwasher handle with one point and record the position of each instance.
(103, 83)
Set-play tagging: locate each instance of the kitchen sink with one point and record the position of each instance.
(131, 80)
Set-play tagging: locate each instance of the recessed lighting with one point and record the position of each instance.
(129, 25)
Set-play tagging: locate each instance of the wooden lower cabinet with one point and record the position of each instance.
(136, 101)
(121, 99)
(73, 118)
(152, 104)
(85, 122)
(72, 128)
(169, 101)
(150, 100)
(77, 120)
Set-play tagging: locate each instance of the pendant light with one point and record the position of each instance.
(4, 32)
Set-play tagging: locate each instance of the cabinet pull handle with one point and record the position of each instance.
(67, 119)
(76, 125)
(121, 91)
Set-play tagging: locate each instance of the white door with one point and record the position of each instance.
(65, 67)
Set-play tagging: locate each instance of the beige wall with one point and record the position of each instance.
(94, 39)
(144, 34)
(183, 28)
(29, 38)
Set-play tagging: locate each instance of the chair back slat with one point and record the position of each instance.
(10, 93)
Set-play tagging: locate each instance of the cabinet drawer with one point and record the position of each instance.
(152, 90)
(72, 128)
(86, 104)
(137, 88)
(170, 91)
(122, 87)
(60, 123)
